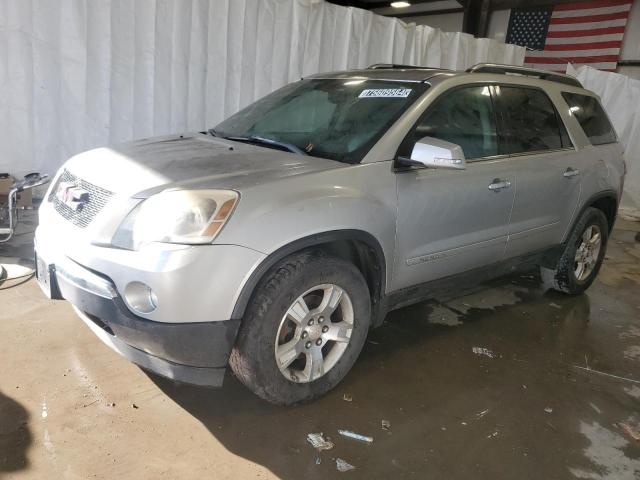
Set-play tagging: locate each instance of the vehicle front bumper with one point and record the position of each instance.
(182, 350)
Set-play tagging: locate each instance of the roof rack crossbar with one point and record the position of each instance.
(382, 66)
(529, 72)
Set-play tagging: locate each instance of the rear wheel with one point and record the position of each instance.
(582, 255)
(303, 329)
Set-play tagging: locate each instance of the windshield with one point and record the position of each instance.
(336, 119)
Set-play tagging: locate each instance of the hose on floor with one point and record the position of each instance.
(5, 277)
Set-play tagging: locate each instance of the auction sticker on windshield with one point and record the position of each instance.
(385, 93)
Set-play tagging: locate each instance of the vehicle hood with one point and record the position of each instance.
(144, 167)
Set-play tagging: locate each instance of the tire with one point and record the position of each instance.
(271, 323)
(566, 277)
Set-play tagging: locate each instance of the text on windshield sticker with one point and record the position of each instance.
(385, 93)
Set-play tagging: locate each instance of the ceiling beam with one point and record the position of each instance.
(350, 3)
(476, 17)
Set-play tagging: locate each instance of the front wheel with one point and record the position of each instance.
(303, 329)
(582, 255)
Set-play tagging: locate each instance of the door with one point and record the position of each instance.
(547, 167)
(450, 221)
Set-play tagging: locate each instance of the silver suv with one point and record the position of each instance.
(275, 241)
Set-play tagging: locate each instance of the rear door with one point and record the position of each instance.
(547, 166)
(450, 221)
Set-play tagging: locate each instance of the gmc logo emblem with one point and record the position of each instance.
(72, 196)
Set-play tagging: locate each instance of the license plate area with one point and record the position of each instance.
(44, 275)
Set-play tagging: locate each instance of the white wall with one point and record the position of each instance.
(631, 42)
(448, 22)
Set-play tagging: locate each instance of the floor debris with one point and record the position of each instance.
(548, 410)
(481, 414)
(347, 397)
(607, 374)
(386, 425)
(629, 430)
(318, 440)
(343, 465)
(356, 436)
(493, 435)
(483, 351)
(555, 305)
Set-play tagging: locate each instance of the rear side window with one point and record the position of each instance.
(529, 121)
(591, 117)
(463, 116)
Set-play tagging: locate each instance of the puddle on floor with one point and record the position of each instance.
(606, 452)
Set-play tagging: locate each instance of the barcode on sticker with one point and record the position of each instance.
(385, 93)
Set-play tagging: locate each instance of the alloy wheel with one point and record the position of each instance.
(314, 333)
(587, 254)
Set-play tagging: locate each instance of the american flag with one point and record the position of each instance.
(584, 33)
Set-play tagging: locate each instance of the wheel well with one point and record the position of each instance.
(355, 246)
(364, 257)
(609, 206)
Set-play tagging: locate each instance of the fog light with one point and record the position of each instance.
(140, 297)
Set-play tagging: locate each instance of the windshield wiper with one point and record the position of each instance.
(265, 141)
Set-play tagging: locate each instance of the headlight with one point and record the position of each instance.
(190, 217)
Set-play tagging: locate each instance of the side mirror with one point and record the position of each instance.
(435, 153)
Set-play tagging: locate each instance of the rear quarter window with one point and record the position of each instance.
(591, 117)
(529, 121)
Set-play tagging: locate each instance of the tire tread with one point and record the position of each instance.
(252, 349)
(561, 277)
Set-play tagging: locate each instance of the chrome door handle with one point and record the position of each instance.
(499, 184)
(570, 172)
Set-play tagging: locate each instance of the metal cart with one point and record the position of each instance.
(9, 210)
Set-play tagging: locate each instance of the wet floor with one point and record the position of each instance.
(505, 382)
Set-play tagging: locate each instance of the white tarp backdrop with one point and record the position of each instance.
(620, 97)
(75, 74)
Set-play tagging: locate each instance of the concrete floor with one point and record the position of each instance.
(502, 383)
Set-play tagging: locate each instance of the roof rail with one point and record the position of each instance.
(529, 72)
(389, 66)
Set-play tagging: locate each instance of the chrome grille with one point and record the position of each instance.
(98, 198)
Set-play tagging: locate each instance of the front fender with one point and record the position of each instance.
(358, 198)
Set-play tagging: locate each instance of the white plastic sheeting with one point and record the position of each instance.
(620, 97)
(76, 74)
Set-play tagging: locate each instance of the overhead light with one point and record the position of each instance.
(400, 4)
